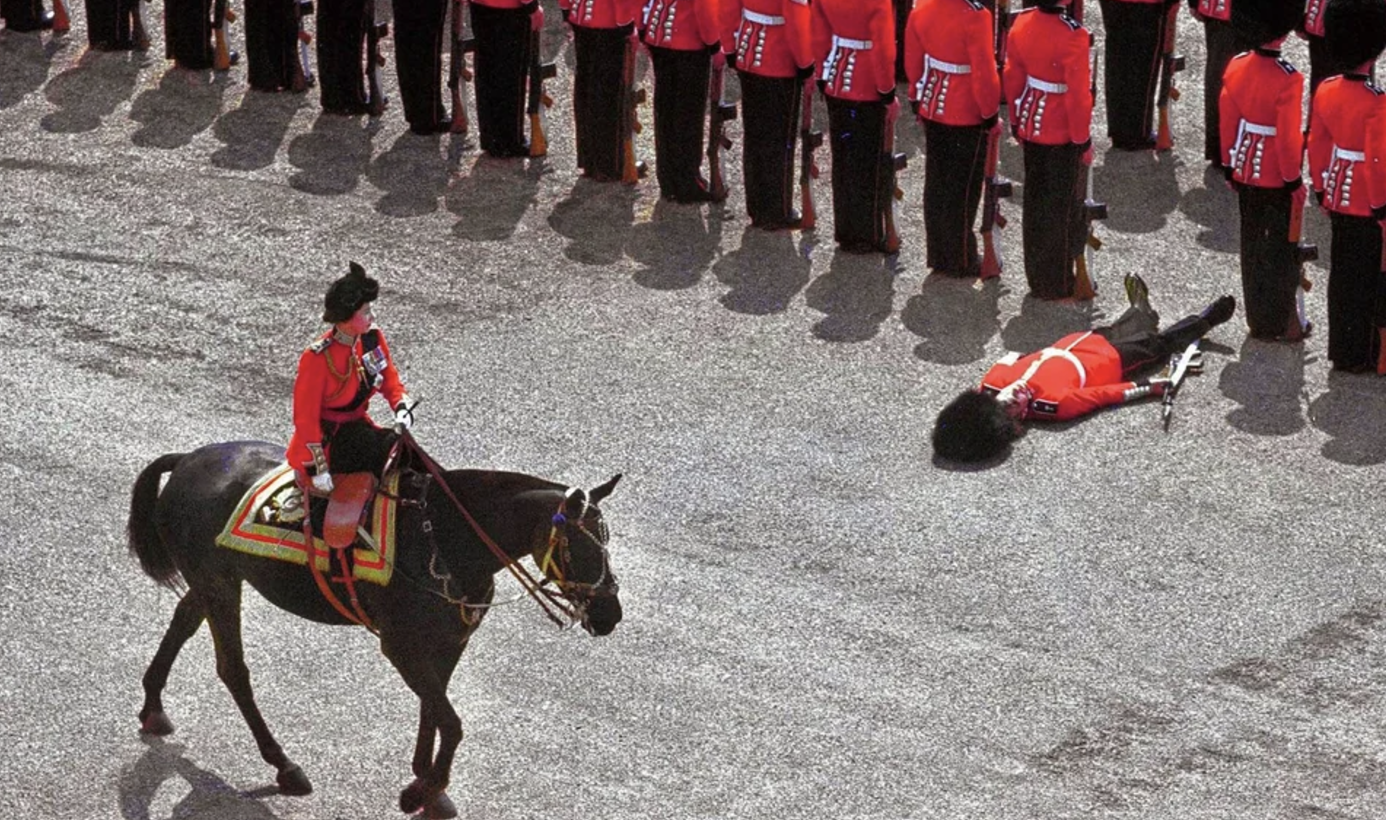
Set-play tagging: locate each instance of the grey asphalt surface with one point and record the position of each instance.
(820, 621)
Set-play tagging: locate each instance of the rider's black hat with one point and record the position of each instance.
(348, 294)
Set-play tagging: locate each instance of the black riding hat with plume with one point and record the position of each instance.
(348, 294)
(1261, 21)
(1354, 31)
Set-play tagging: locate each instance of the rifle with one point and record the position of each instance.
(1169, 64)
(631, 99)
(539, 102)
(376, 31)
(894, 163)
(221, 54)
(61, 22)
(302, 73)
(719, 113)
(459, 73)
(1180, 365)
(1304, 252)
(1085, 286)
(996, 187)
(809, 140)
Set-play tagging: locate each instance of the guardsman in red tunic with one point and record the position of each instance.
(1135, 36)
(1348, 172)
(955, 90)
(1047, 80)
(1077, 375)
(502, 31)
(337, 376)
(1223, 43)
(773, 59)
(601, 29)
(1262, 146)
(854, 45)
(683, 37)
(341, 50)
(272, 44)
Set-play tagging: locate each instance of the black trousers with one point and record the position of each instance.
(902, 19)
(419, 26)
(1135, 35)
(955, 161)
(1270, 264)
(271, 43)
(356, 447)
(502, 66)
(188, 33)
(109, 25)
(1223, 43)
(863, 179)
(342, 55)
(599, 99)
(1055, 228)
(1356, 294)
(23, 15)
(770, 130)
(1140, 343)
(680, 108)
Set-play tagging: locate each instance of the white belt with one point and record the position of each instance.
(763, 19)
(945, 67)
(1351, 156)
(1064, 353)
(1048, 88)
(843, 42)
(1257, 128)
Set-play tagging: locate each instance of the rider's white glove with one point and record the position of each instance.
(404, 417)
(322, 482)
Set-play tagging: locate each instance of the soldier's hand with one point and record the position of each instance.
(322, 482)
(404, 417)
(719, 59)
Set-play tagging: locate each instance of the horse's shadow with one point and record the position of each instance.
(332, 156)
(856, 296)
(1141, 188)
(184, 104)
(596, 219)
(25, 59)
(1214, 208)
(252, 133)
(413, 175)
(91, 90)
(1040, 322)
(676, 245)
(1353, 412)
(765, 273)
(1267, 381)
(954, 318)
(491, 199)
(208, 797)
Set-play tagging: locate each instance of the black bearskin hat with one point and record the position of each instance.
(348, 294)
(973, 427)
(1260, 21)
(1354, 31)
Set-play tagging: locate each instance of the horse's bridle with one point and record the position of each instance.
(557, 560)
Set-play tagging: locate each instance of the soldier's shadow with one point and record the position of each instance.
(676, 245)
(332, 156)
(491, 199)
(856, 296)
(208, 797)
(91, 89)
(954, 318)
(596, 219)
(1214, 208)
(184, 104)
(252, 133)
(1353, 412)
(25, 58)
(413, 175)
(765, 273)
(1139, 187)
(1267, 381)
(1040, 322)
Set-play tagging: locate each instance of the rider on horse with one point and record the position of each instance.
(337, 376)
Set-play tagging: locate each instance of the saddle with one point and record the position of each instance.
(346, 507)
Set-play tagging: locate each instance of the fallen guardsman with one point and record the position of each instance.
(1078, 374)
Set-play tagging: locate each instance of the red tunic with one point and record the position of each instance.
(601, 13)
(1076, 375)
(1048, 79)
(685, 25)
(951, 61)
(854, 42)
(1344, 164)
(1260, 119)
(1313, 17)
(773, 37)
(330, 377)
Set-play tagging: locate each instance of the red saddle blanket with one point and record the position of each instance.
(268, 522)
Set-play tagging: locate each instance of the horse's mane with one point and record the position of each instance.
(498, 482)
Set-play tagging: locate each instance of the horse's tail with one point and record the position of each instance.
(141, 534)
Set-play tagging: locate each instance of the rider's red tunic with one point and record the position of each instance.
(335, 383)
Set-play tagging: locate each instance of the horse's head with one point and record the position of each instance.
(576, 560)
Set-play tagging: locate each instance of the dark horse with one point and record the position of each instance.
(442, 584)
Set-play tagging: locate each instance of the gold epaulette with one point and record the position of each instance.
(321, 344)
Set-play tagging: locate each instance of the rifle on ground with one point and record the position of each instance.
(302, 77)
(996, 186)
(1180, 365)
(719, 113)
(1169, 64)
(61, 22)
(1085, 285)
(221, 53)
(458, 72)
(893, 164)
(631, 100)
(376, 31)
(539, 102)
(809, 141)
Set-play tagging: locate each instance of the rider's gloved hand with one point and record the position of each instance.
(404, 417)
(322, 482)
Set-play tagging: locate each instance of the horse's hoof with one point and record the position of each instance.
(293, 782)
(416, 795)
(157, 724)
(442, 808)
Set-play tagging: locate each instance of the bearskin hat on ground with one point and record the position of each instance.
(348, 294)
(1354, 31)
(1261, 21)
(973, 427)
